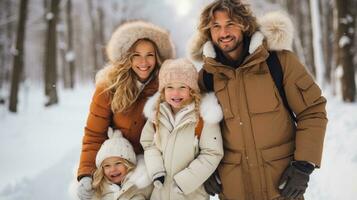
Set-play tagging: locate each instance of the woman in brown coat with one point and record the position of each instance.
(135, 51)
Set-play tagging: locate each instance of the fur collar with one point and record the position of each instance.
(139, 176)
(275, 27)
(210, 110)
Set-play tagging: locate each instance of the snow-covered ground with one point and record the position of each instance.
(39, 148)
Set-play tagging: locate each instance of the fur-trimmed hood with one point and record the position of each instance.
(210, 110)
(275, 27)
(128, 33)
(139, 176)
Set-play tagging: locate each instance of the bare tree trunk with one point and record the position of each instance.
(3, 17)
(7, 32)
(18, 57)
(94, 34)
(345, 37)
(79, 47)
(309, 39)
(101, 29)
(50, 67)
(303, 16)
(327, 36)
(70, 56)
(62, 49)
(296, 13)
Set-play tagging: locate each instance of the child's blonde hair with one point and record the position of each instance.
(99, 179)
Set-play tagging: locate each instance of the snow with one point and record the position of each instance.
(70, 56)
(49, 16)
(346, 20)
(40, 147)
(344, 40)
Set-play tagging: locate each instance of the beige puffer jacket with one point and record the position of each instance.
(176, 153)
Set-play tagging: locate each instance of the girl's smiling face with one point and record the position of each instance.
(114, 169)
(177, 95)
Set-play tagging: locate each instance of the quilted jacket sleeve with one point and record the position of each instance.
(305, 99)
(211, 153)
(152, 155)
(95, 132)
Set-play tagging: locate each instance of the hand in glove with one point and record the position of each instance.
(159, 182)
(85, 190)
(293, 182)
(213, 184)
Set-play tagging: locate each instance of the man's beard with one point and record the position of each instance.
(229, 49)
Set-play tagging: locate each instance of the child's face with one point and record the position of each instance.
(114, 169)
(177, 95)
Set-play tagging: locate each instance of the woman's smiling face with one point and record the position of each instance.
(143, 59)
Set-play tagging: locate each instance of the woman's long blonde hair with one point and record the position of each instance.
(196, 98)
(121, 84)
(99, 178)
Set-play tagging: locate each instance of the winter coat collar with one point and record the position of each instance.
(139, 177)
(210, 110)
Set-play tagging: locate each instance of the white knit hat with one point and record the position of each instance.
(130, 32)
(115, 146)
(178, 70)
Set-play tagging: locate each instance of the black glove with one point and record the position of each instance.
(159, 182)
(293, 182)
(213, 184)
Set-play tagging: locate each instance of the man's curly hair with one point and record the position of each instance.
(236, 9)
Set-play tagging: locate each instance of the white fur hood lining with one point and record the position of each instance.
(210, 110)
(139, 176)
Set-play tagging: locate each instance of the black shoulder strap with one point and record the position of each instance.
(276, 72)
(208, 80)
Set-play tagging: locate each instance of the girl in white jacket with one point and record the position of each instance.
(120, 175)
(180, 151)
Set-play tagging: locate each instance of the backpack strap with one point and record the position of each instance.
(199, 127)
(276, 72)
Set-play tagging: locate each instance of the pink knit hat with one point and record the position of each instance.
(178, 71)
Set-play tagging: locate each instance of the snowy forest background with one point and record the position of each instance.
(50, 51)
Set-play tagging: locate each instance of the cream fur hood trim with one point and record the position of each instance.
(276, 27)
(210, 110)
(101, 78)
(128, 33)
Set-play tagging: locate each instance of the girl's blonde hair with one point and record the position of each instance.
(99, 178)
(121, 84)
(196, 98)
(236, 10)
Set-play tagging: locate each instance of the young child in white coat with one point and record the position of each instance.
(179, 160)
(120, 174)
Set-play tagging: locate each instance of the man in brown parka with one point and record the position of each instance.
(266, 155)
